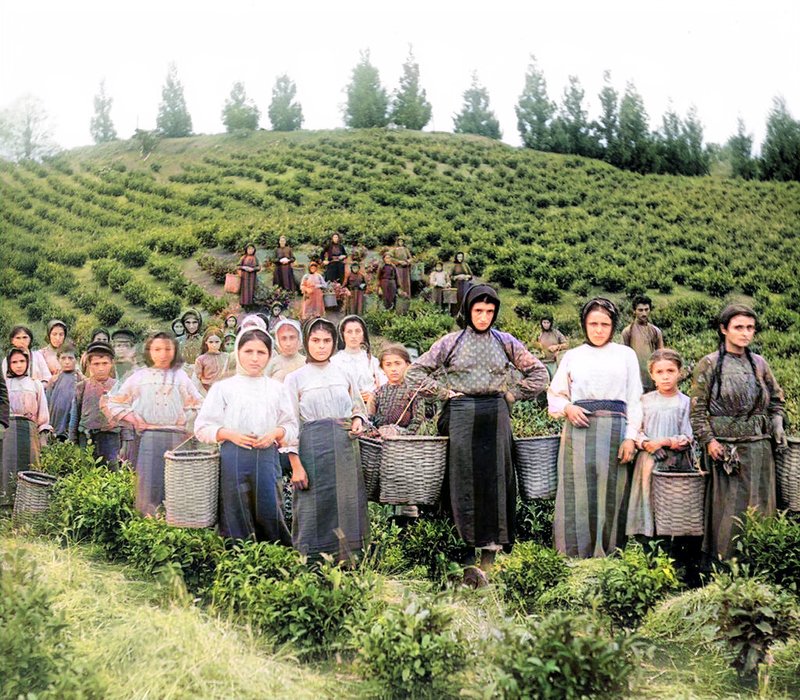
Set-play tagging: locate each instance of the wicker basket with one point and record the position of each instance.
(450, 295)
(371, 451)
(191, 484)
(418, 272)
(787, 468)
(412, 469)
(233, 283)
(678, 503)
(536, 463)
(33, 495)
(329, 299)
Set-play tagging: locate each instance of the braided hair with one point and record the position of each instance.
(724, 320)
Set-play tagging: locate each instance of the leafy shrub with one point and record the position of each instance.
(131, 255)
(535, 521)
(62, 458)
(528, 571)
(108, 313)
(136, 292)
(561, 656)
(164, 306)
(545, 292)
(686, 316)
(433, 544)
(411, 651)
(770, 547)
(530, 420)
(118, 277)
(632, 582)
(385, 551)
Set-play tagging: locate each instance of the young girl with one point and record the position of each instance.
(56, 335)
(288, 339)
(387, 281)
(311, 285)
(354, 357)
(396, 409)
(21, 337)
(248, 414)
(275, 317)
(29, 419)
(212, 365)
(158, 401)
(191, 342)
(665, 437)
(60, 391)
(330, 501)
(356, 284)
(439, 280)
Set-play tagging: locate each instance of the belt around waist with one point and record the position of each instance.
(594, 405)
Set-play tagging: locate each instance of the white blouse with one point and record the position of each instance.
(610, 373)
(365, 369)
(665, 417)
(249, 405)
(26, 399)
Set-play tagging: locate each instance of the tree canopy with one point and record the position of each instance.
(284, 113)
(410, 107)
(26, 131)
(101, 126)
(367, 101)
(475, 116)
(239, 113)
(173, 117)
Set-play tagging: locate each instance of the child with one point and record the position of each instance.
(397, 410)
(99, 335)
(87, 420)
(288, 339)
(275, 317)
(159, 402)
(212, 365)
(29, 421)
(123, 342)
(248, 414)
(665, 438)
(354, 357)
(22, 337)
(439, 280)
(61, 391)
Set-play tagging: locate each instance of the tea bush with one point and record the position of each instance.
(433, 545)
(527, 572)
(770, 547)
(535, 521)
(411, 651)
(530, 420)
(62, 458)
(385, 551)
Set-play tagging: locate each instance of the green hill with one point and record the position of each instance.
(102, 236)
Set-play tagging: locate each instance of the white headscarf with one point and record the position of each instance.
(252, 321)
(239, 368)
(287, 322)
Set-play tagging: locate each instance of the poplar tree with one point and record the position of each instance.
(284, 113)
(173, 118)
(571, 127)
(475, 116)
(740, 147)
(780, 152)
(101, 127)
(535, 110)
(239, 113)
(607, 129)
(636, 148)
(367, 101)
(410, 107)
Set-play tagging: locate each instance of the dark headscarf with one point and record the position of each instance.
(310, 327)
(476, 293)
(17, 351)
(599, 304)
(52, 324)
(360, 321)
(95, 332)
(193, 313)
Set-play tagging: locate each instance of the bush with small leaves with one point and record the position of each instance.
(770, 547)
(527, 572)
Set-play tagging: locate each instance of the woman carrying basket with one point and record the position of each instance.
(479, 371)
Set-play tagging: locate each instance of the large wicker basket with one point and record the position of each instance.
(33, 495)
(678, 503)
(412, 469)
(371, 452)
(191, 484)
(536, 463)
(787, 468)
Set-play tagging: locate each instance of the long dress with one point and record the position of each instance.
(645, 340)
(210, 367)
(663, 417)
(165, 399)
(593, 485)
(356, 283)
(387, 279)
(439, 280)
(88, 421)
(250, 479)
(283, 275)
(365, 370)
(313, 303)
(330, 516)
(334, 270)
(60, 393)
(403, 257)
(462, 285)
(546, 339)
(481, 481)
(28, 415)
(247, 289)
(741, 419)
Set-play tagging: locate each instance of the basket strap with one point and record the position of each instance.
(189, 439)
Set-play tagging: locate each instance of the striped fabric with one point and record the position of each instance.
(152, 444)
(480, 473)
(331, 514)
(20, 451)
(593, 488)
(250, 495)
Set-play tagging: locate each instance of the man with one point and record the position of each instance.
(643, 337)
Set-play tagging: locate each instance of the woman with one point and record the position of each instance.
(478, 372)
(597, 388)
(402, 258)
(21, 337)
(355, 357)
(330, 501)
(356, 284)
(461, 275)
(248, 270)
(283, 275)
(56, 335)
(288, 358)
(737, 409)
(552, 341)
(212, 364)
(387, 282)
(191, 344)
(439, 281)
(333, 257)
(312, 285)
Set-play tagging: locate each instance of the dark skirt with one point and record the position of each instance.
(334, 272)
(404, 278)
(389, 289)
(356, 302)
(593, 488)
(283, 277)
(247, 290)
(330, 516)
(152, 444)
(107, 445)
(437, 295)
(20, 452)
(462, 287)
(250, 486)
(480, 473)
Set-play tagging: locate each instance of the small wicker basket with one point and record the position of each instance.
(787, 468)
(330, 300)
(191, 484)
(412, 469)
(371, 452)
(679, 503)
(33, 495)
(536, 463)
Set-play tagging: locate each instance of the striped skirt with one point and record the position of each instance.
(152, 444)
(480, 473)
(330, 516)
(20, 451)
(593, 488)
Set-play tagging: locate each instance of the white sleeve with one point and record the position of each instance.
(287, 416)
(211, 416)
(558, 393)
(43, 418)
(633, 396)
(293, 405)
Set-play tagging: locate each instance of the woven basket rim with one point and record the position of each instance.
(538, 437)
(679, 474)
(795, 439)
(417, 438)
(38, 478)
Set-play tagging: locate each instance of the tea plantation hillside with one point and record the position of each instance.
(103, 236)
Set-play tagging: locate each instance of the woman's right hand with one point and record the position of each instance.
(577, 416)
(299, 476)
(715, 450)
(240, 439)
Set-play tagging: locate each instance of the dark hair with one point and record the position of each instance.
(162, 335)
(600, 304)
(665, 354)
(67, 348)
(394, 349)
(475, 294)
(725, 317)
(10, 354)
(250, 245)
(255, 334)
(53, 324)
(354, 319)
(314, 324)
(95, 331)
(211, 330)
(642, 300)
(17, 329)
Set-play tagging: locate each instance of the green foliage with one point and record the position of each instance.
(535, 521)
(633, 582)
(527, 572)
(367, 101)
(101, 127)
(528, 419)
(563, 656)
(418, 329)
(534, 110)
(433, 545)
(63, 458)
(239, 113)
(770, 547)
(475, 116)
(173, 118)
(780, 152)
(384, 553)
(284, 113)
(411, 651)
(410, 106)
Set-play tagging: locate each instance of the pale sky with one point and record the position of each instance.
(728, 58)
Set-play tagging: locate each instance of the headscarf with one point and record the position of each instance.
(52, 324)
(193, 313)
(174, 329)
(247, 331)
(20, 351)
(95, 331)
(252, 321)
(474, 294)
(340, 332)
(463, 257)
(310, 326)
(211, 330)
(599, 304)
(124, 332)
(286, 322)
(228, 318)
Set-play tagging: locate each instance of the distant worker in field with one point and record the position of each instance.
(283, 276)
(402, 262)
(333, 257)
(248, 271)
(643, 337)
(552, 342)
(438, 281)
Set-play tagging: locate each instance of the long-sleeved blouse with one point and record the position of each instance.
(609, 372)
(365, 369)
(26, 399)
(164, 399)
(280, 366)
(38, 369)
(250, 405)
(477, 364)
(665, 417)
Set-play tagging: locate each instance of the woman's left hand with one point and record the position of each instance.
(357, 426)
(626, 451)
(267, 439)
